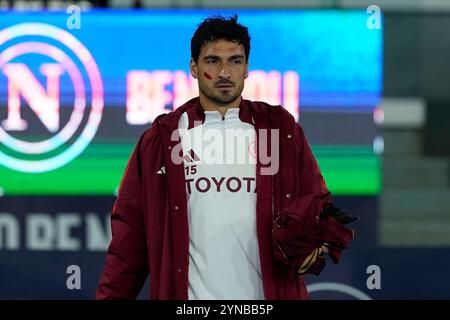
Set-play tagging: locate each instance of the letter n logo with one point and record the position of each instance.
(46, 72)
(44, 103)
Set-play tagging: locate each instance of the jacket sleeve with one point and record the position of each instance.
(301, 243)
(126, 267)
(310, 179)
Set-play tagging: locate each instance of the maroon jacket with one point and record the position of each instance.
(150, 233)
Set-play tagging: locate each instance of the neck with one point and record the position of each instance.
(209, 105)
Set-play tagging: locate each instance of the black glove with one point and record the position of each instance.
(340, 216)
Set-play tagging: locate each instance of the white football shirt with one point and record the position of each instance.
(220, 167)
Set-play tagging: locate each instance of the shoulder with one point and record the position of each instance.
(150, 134)
(166, 122)
(288, 124)
(264, 108)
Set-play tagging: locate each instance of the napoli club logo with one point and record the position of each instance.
(51, 97)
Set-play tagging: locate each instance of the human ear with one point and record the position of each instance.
(193, 68)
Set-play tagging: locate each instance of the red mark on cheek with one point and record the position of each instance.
(207, 76)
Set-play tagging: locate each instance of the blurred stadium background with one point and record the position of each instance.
(370, 88)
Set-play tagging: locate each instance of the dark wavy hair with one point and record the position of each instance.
(220, 28)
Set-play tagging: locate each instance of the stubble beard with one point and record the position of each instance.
(222, 99)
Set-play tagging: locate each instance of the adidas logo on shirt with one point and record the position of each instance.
(190, 157)
(162, 170)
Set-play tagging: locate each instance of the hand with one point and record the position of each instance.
(336, 213)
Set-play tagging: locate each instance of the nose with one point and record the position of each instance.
(224, 71)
